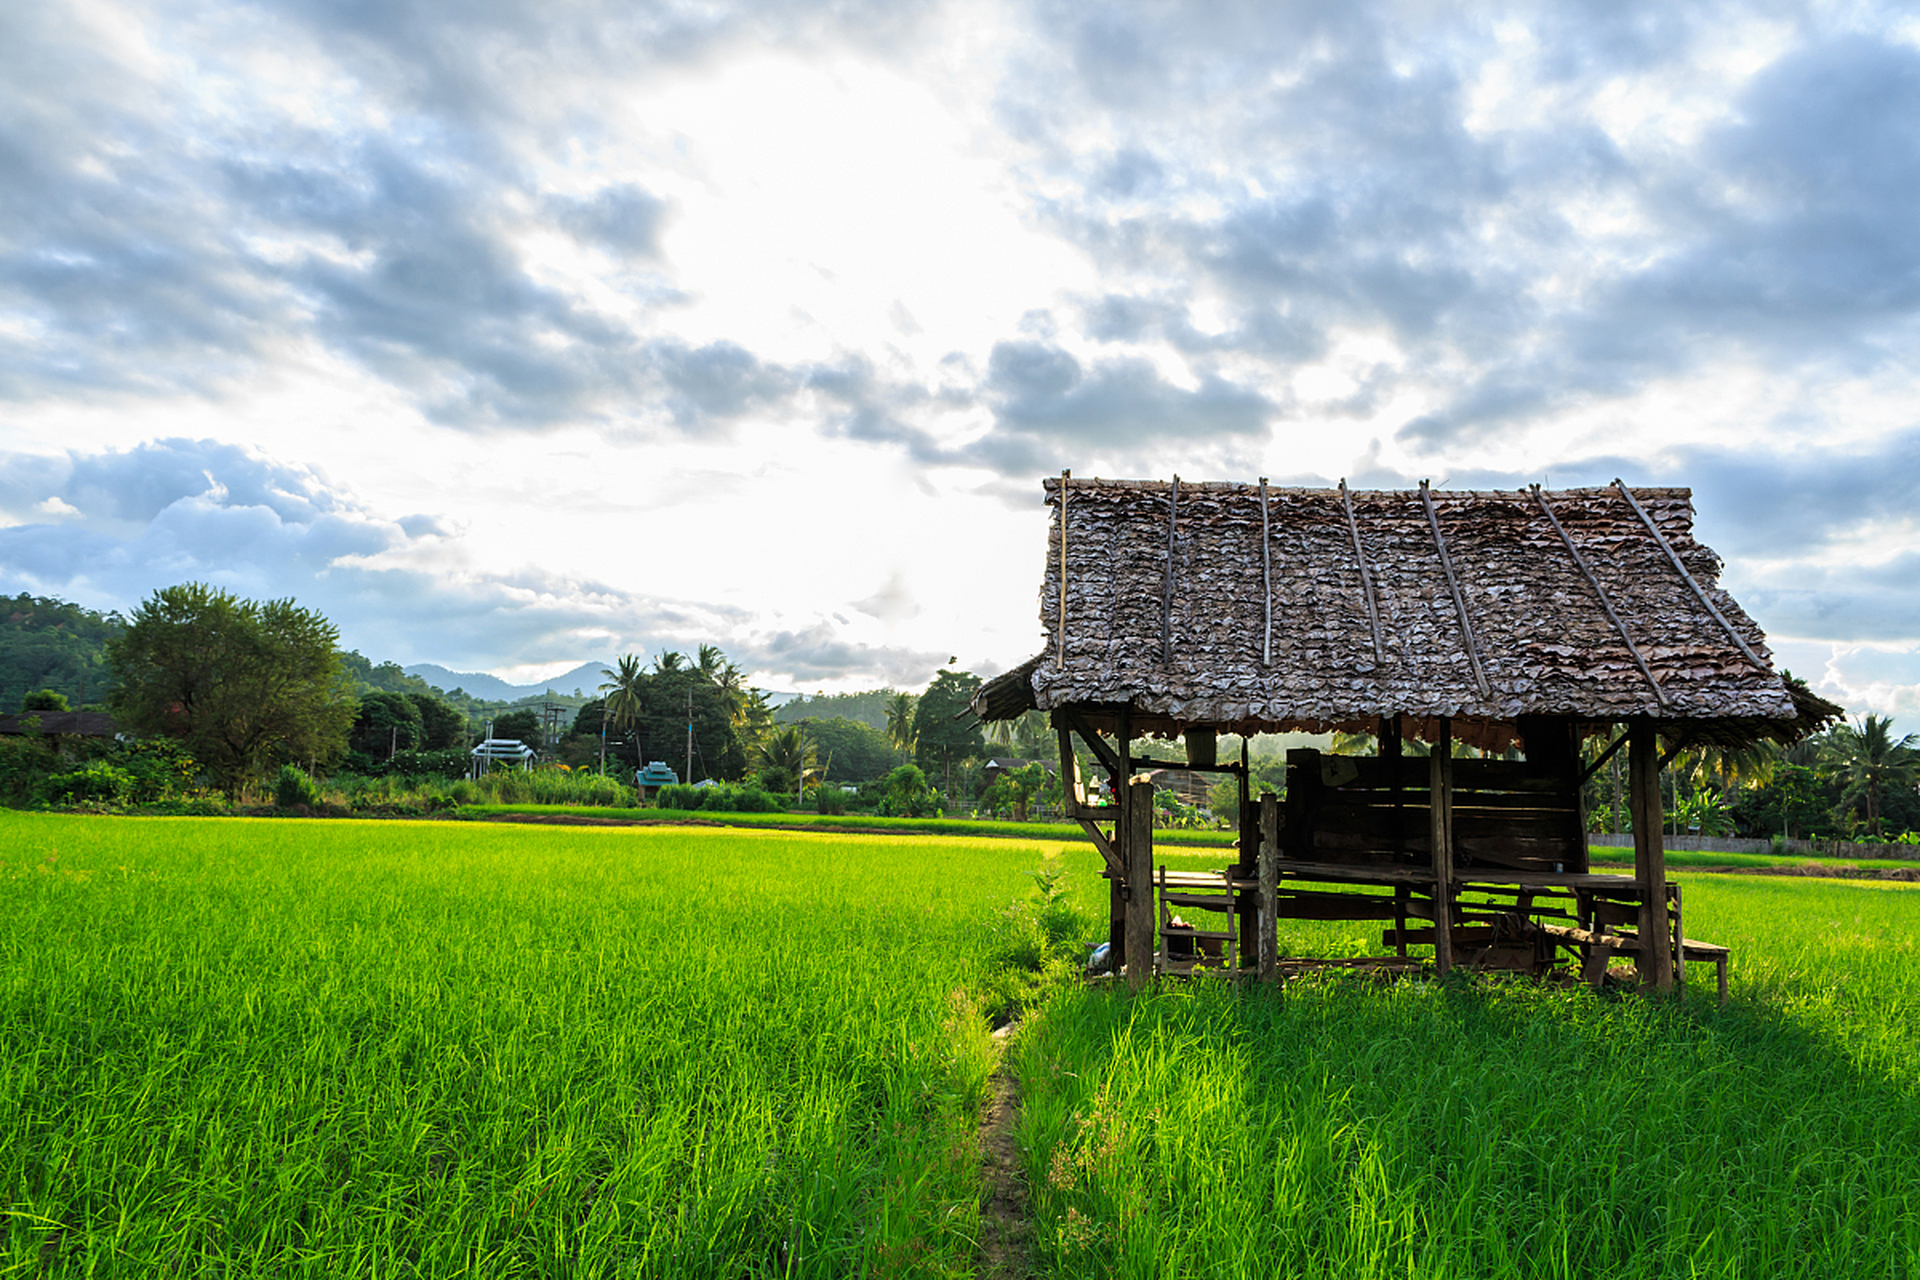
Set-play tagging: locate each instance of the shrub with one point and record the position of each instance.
(97, 783)
(293, 789)
(163, 770)
(829, 798)
(24, 766)
(907, 795)
(728, 797)
(553, 785)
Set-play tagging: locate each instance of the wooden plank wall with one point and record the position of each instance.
(1366, 810)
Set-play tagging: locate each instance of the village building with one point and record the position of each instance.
(1557, 627)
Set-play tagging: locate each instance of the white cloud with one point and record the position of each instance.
(511, 340)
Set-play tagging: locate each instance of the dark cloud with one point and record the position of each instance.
(1048, 406)
(1318, 168)
(625, 219)
(820, 652)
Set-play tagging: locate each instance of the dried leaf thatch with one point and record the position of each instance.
(1192, 606)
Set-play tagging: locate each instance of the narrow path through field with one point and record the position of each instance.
(1006, 1237)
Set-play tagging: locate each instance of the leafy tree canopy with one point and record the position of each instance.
(46, 643)
(523, 725)
(850, 751)
(45, 700)
(869, 707)
(441, 725)
(245, 685)
(945, 731)
(387, 723)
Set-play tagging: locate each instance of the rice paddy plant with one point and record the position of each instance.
(343, 1048)
(1343, 1128)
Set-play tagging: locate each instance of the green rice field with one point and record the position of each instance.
(340, 1048)
(240, 1047)
(1415, 1129)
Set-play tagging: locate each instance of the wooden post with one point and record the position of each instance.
(1117, 886)
(1139, 820)
(1440, 836)
(1649, 854)
(1389, 752)
(1246, 908)
(1269, 884)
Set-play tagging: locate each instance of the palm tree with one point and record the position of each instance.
(709, 661)
(624, 689)
(668, 660)
(900, 722)
(788, 751)
(1873, 763)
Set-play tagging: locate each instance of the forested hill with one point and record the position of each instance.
(868, 708)
(49, 644)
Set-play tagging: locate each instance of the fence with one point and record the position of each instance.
(1739, 844)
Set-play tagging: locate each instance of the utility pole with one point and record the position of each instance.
(689, 774)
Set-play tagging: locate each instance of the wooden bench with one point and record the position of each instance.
(1690, 949)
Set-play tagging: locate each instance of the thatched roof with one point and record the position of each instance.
(87, 724)
(1478, 606)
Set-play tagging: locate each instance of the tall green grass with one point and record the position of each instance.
(1342, 1128)
(341, 1048)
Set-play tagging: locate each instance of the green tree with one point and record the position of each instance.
(625, 689)
(441, 725)
(678, 696)
(900, 722)
(849, 750)
(245, 685)
(1873, 763)
(46, 643)
(944, 728)
(787, 759)
(386, 723)
(44, 700)
(753, 721)
(906, 794)
(521, 724)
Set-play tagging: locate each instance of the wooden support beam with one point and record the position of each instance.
(1366, 576)
(1472, 642)
(1649, 854)
(1108, 854)
(1440, 841)
(1139, 855)
(1673, 558)
(1108, 758)
(1248, 867)
(1269, 941)
(1604, 756)
(1116, 765)
(1659, 694)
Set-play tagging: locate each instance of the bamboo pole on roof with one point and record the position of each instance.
(1060, 623)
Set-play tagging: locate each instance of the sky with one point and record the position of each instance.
(510, 335)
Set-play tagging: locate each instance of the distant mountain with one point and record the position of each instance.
(586, 678)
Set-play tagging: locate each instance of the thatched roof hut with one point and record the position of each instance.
(1246, 608)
